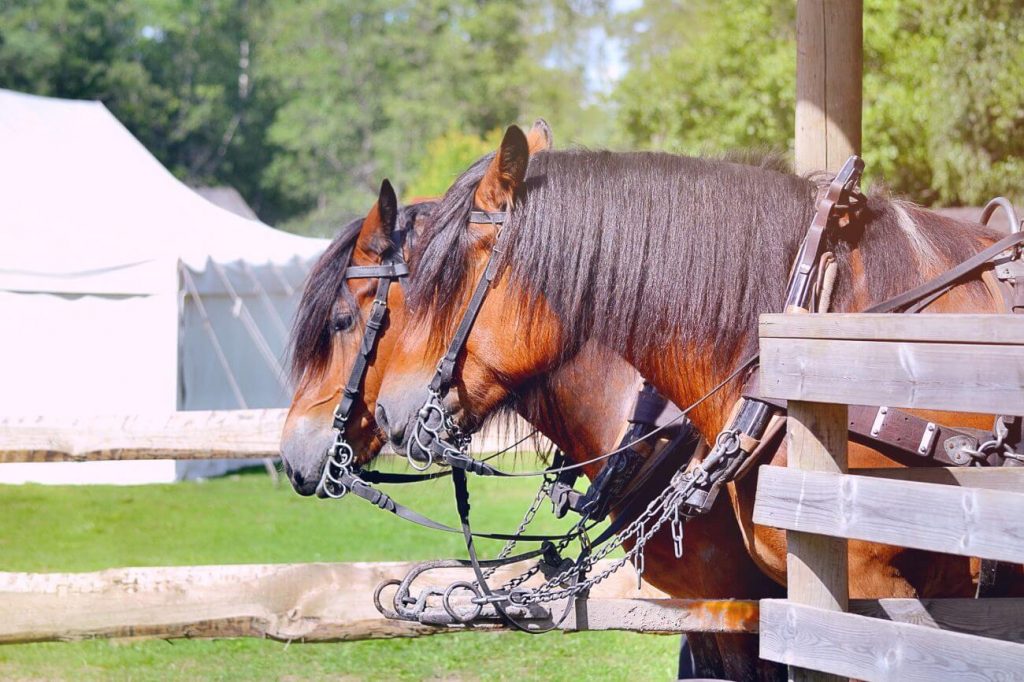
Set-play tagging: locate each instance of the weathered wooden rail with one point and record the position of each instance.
(292, 602)
(330, 602)
(818, 363)
(200, 434)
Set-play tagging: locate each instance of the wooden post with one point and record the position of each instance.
(816, 565)
(829, 64)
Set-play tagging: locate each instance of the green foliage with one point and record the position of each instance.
(304, 106)
(942, 113)
(445, 158)
(365, 90)
(175, 72)
(727, 83)
(244, 519)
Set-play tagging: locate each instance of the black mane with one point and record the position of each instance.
(310, 343)
(644, 250)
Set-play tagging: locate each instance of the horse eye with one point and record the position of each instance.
(342, 323)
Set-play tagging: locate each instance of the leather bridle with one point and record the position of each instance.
(435, 435)
(340, 457)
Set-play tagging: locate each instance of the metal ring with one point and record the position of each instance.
(446, 602)
(518, 595)
(343, 452)
(730, 436)
(393, 615)
(408, 451)
(424, 415)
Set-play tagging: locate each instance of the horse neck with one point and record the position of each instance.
(582, 406)
(686, 374)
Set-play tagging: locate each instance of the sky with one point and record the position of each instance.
(606, 63)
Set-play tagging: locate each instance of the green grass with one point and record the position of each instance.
(243, 519)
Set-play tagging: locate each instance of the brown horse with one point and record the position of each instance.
(668, 261)
(579, 414)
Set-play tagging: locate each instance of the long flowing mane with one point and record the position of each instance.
(642, 250)
(310, 342)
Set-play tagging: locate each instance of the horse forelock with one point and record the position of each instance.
(440, 261)
(310, 340)
(641, 251)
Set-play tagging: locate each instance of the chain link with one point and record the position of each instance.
(531, 512)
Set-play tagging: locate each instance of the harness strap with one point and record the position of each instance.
(442, 379)
(897, 434)
(360, 488)
(390, 270)
(896, 303)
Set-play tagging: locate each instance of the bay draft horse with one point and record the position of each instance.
(667, 261)
(581, 406)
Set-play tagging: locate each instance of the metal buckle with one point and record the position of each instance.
(927, 438)
(876, 426)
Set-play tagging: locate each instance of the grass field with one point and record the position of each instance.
(244, 519)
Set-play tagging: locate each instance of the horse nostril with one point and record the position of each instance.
(382, 418)
(395, 432)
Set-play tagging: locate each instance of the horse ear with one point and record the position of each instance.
(540, 138)
(506, 172)
(375, 234)
(387, 208)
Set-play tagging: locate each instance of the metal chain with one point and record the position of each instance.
(661, 509)
(528, 517)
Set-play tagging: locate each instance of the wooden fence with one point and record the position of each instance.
(950, 362)
(202, 434)
(972, 363)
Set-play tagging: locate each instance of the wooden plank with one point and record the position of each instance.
(816, 565)
(200, 434)
(828, 83)
(217, 434)
(328, 602)
(1000, 618)
(981, 378)
(953, 328)
(989, 478)
(872, 649)
(939, 518)
(289, 602)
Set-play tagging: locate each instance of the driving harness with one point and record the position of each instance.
(631, 479)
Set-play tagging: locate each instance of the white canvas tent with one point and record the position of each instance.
(122, 291)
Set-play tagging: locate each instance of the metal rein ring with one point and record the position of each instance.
(423, 448)
(728, 441)
(478, 607)
(339, 456)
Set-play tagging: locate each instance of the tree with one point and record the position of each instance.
(942, 113)
(368, 91)
(176, 73)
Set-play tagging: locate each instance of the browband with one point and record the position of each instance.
(390, 270)
(492, 217)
